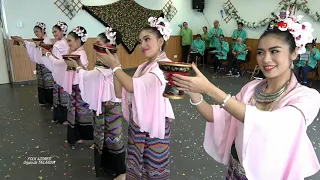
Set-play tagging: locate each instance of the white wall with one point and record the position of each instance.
(29, 13)
(251, 10)
(4, 76)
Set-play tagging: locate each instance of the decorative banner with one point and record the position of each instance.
(69, 7)
(273, 17)
(126, 16)
(169, 10)
(227, 16)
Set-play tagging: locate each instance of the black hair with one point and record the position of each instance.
(221, 35)
(198, 35)
(184, 22)
(240, 23)
(58, 27)
(104, 38)
(285, 35)
(76, 36)
(156, 32)
(38, 27)
(205, 27)
(313, 43)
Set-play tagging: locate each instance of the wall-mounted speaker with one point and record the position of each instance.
(198, 4)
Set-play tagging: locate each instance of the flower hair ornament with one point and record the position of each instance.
(162, 26)
(41, 25)
(302, 32)
(80, 32)
(63, 27)
(111, 35)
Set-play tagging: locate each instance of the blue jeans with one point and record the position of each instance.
(302, 71)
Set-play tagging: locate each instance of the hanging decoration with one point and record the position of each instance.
(169, 10)
(291, 5)
(69, 7)
(224, 12)
(126, 16)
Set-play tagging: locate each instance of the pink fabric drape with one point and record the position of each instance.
(67, 78)
(34, 52)
(149, 107)
(270, 145)
(96, 87)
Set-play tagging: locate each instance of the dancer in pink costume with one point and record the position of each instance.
(44, 76)
(261, 132)
(80, 117)
(97, 89)
(148, 112)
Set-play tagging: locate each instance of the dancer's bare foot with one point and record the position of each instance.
(80, 141)
(92, 147)
(121, 177)
(65, 123)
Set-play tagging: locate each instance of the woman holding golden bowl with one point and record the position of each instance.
(44, 76)
(97, 89)
(149, 113)
(79, 116)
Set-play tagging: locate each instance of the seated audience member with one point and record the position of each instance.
(239, 53)
(197, 48)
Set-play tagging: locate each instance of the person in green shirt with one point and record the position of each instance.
(186, 40)
(307, 62)
(239, 33)
(205, 38)
(214, 35)
(197, 47)
(220, 54)
(239, 53)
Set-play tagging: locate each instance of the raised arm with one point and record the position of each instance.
(203, 108)
(234, 107)
(210, 34)
(117, 87)
(123, 78)
(225, 48)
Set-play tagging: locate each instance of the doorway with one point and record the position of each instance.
(4, 73)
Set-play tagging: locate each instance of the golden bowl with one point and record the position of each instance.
(75, 57)
(170, 68)
(46, 46)
(102, 49)
(37, 39)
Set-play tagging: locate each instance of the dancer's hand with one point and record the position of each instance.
(17, 38)
(196, 84)
(108, 59)
(44, 51)
(37, 43)
(72, 63)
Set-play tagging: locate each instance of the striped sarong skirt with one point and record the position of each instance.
(45, 84)
(148, 158)
(80, 118)
(235, 170)
(108, 139)
(60, 103)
